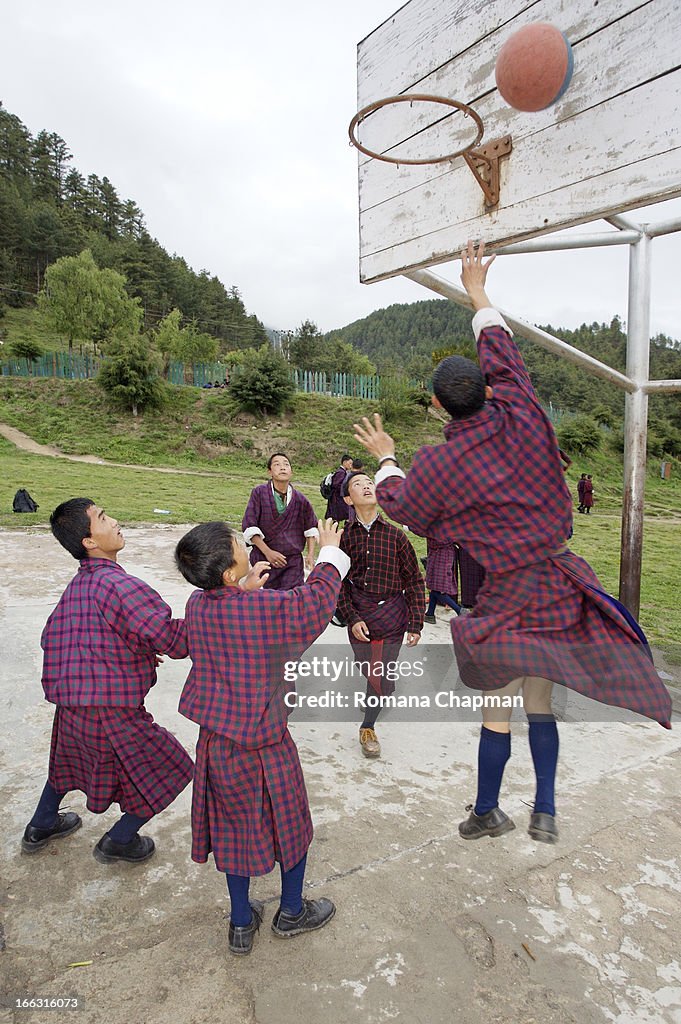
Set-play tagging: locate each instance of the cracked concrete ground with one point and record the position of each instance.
(429, 928)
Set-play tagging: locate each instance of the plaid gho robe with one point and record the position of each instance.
(249, 804)
(100, 645)
(541, 610)
(441, 567)
(286, 532)
(385, 589)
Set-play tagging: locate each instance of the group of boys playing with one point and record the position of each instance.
(538, 605)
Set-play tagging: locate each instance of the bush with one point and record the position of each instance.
(580, 434)
(130, 376)
(397, 399)
(263, 385)
(25, 349)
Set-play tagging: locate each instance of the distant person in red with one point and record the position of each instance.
(588, 495)
(542, 615)
(580, 492)
(100, 649)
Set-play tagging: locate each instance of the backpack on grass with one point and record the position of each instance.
(23, 502)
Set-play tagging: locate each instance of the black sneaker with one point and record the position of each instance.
(337, 621)
(315, 914)
(493, 823)
(543, 827)
(430, 618)
(139, 849)
(35, 839)
(241, 936)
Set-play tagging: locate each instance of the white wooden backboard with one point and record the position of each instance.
(611, 143)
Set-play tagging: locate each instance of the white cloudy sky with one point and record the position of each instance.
(227, 124)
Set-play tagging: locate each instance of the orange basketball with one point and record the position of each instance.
(534, 67)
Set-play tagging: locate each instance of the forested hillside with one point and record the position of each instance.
(49, 209)
(406, 336)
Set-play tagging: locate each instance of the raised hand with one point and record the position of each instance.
(256, 577)
(329, 532)
(374, 438)
(474, 273)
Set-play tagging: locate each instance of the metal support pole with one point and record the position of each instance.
(635, 424)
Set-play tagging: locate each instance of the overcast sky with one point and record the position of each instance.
(227, 124)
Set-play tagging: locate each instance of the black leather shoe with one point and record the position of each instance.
(35, 839)
(241, 936)
(543, 827)
(494, 823)
(337, 621)
(315, 914)
(137, 850)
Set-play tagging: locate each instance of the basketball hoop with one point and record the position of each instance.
(483, 163)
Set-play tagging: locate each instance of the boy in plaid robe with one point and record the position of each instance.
(382, 598)
(249, 803)
(441, 577)
(279, 522)
(100, 653)
(541, 615)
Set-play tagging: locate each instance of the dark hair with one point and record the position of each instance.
(70, 524)
(459, 386)
(345, 456)
(357, 464)
(204, 553)
(277, 455)
(345, 489)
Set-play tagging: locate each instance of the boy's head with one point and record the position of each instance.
(279, 468)
(346, 461)
(357, 464)
(459, 387)
(358, 490)
(212, 555)
(85, 530)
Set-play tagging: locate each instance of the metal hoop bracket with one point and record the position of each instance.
(483, 163)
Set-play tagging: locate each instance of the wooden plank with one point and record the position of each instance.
(656, 178)
(542, 169)
(470, 75)
(629, 43)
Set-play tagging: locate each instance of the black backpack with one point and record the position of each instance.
(325, 488)
(23, 502)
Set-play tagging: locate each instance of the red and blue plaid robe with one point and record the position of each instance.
(385, 589)
(471, 577)
(249, 803)
(440, 567)
(285, 532)
(539, 612)
(100, 645)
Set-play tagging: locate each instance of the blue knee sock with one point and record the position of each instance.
(126, 828)
(292, 888)
(493, 753)
(45, 815)
(241, 914)
(544, 748)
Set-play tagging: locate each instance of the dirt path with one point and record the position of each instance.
(27, 444)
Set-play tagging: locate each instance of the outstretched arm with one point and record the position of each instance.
(474, 274)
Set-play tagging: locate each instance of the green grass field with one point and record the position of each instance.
(187, 435)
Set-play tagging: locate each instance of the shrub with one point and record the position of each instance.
(580, 434)
(26, 349)
(263, 385)
(397, 399)
(130, 376)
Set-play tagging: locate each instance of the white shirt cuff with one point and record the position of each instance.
(252, 531)
(489, 317)
(335, 557)
(385, 471)
(314, 532)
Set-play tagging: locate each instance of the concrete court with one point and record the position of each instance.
(429, 929)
